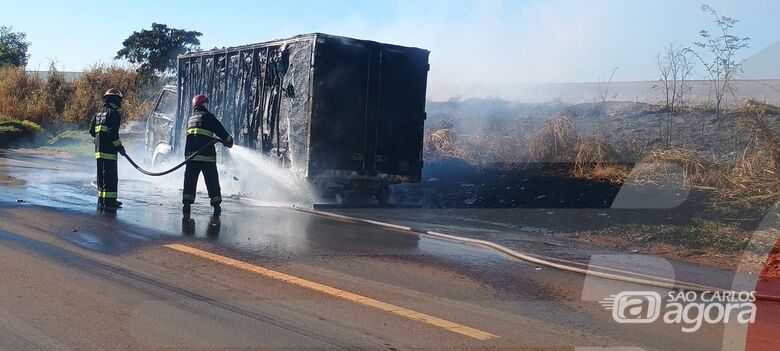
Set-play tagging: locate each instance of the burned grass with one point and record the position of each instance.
(575, 159)
(738, 158)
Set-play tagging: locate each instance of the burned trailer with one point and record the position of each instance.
(346, 114)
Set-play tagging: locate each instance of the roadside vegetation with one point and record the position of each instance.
(53, 101)
(16, 131)
(731, 164)
(34, 111)
(46, 110)
(728, 151)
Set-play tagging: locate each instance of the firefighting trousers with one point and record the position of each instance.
(191, 173)
(107, 179)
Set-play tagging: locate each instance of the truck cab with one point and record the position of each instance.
(158, 134)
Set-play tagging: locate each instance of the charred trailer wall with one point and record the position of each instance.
(259, 92)
(368, 110)
(330, 108)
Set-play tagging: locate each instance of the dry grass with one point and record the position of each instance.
(597, 160)
(88, 89)
(444, 142)
(23, 96)
(554, 142)
(661, 167)
(54, 100)
(756, 177)
(505, 152)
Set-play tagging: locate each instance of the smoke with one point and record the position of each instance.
(497, 45)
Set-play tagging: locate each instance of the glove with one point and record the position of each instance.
(228, 142)
(121, 150)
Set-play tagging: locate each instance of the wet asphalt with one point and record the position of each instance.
(76, 278)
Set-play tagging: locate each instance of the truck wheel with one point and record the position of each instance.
(383, 196)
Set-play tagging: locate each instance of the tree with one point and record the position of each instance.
(155, 50)
(603, 88)
(719, 55)
(675, 66)
(13, 47)
(686, 65)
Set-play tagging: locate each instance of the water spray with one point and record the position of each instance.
(262, 177)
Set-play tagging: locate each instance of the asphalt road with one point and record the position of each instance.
(269, 277)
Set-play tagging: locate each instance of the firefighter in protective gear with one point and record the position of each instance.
(104, 127)
(202, 128)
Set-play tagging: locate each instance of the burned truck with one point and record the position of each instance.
(345, 114)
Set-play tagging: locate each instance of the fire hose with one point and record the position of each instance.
(157, 174)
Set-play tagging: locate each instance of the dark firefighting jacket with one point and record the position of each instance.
(104, 127)
(202, 128)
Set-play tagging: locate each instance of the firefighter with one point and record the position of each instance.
(104, 127)
(202, 128)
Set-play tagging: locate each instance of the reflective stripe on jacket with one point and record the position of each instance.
(104, 126)
(202, 128)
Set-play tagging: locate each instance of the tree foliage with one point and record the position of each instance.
(718, 53)
(13, 47)
(155, 50)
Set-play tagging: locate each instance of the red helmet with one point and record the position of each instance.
(199, 99)
(113, 92)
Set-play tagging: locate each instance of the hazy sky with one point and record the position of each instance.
(472, 43)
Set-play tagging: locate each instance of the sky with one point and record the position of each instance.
(472, 43)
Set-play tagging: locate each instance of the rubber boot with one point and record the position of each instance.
(187, 225)
(214, 226)
(112, 205)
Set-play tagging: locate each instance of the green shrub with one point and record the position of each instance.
(16, 132)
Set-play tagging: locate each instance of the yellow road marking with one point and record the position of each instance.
(346, 295)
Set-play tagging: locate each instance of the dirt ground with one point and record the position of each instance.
(746, 261)
(452, 183)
